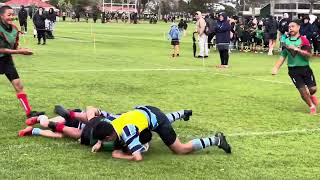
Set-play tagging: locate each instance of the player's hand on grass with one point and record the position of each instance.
(25, 51)
(96, 147)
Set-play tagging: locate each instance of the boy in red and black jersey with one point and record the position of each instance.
(9, 41)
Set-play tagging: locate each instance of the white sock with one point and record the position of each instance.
(42, 118)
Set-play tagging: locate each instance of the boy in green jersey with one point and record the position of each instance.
(9, 41)
(297, 50)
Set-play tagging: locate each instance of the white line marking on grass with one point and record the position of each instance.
(107, 70)
(252, 78)
(34, 144)
(274, 133)
(145, 70)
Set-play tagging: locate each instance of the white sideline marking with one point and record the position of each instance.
(110, 70)
(251, 78)
(274, 133)
(144, 70)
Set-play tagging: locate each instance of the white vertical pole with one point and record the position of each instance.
(102, 5)
(111, 6)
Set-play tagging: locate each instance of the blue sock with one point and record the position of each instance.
(36, 131)
(204, 142)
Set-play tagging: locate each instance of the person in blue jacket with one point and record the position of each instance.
(222, 30)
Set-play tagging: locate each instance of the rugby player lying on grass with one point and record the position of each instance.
(79, 127)
(128, 127)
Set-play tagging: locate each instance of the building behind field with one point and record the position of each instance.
(295, 8)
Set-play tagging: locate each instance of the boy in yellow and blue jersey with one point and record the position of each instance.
(127, 127)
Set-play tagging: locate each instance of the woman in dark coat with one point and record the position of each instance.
(39, 23)
(51, 19)
(222, 31)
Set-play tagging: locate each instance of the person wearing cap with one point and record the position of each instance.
(222, 30)
(203, 38)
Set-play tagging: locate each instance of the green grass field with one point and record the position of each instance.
(266, 122)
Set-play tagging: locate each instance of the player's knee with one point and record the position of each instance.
(313, 90)
(179, 148)
(18, 86)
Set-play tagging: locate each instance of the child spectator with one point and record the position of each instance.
(174, 35)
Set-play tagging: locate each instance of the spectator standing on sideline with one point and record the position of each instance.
(306, 28)
(174, 35)
(31, 11)
(39, 23)
(181, 25)
(272, 30)
(64, 14)
(210, 25)
(222, 30)
(23, 18)
(316, 37)
(203, 38)
(49, 23)
(95, 16)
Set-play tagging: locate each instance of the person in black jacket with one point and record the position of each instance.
(39, 23)
(306, 28)
(49, 23)
(272, 30)
(316, 37)
(23, 16)
(95, 16)
(211, 22)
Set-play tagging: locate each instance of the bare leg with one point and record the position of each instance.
(179, 148)
(312, 90)
(178, 49)
(50, 134)
(17, 85)
(72, 132)
(81, 116)
(305, 95)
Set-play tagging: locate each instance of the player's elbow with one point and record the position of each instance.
(137, 157)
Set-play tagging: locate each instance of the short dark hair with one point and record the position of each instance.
(102, 130)
(4, 8)
(297, 21)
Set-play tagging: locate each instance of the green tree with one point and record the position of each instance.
(54, 2)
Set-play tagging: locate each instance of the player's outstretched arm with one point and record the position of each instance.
(22, 51)
(118, 154)
(278, 65)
